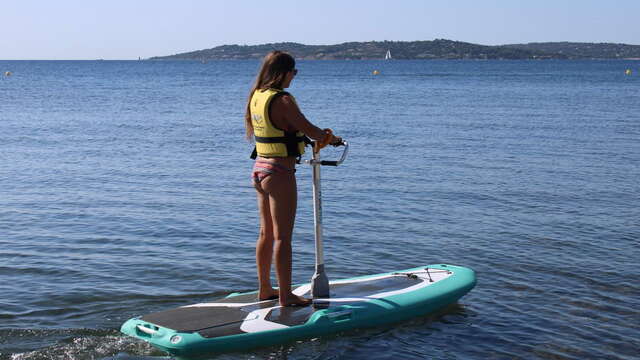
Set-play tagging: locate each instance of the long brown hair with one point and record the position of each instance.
(273, 71)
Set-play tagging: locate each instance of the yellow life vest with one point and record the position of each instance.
(271, 141)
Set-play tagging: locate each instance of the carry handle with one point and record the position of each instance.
(146, 330)
(340, 316)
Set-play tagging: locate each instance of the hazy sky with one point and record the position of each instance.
(118, 29)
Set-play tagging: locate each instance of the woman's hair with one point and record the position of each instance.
(273, 71)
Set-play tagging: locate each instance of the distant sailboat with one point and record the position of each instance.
(387, 56)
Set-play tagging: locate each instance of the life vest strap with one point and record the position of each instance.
(280, 140)
(290, 141)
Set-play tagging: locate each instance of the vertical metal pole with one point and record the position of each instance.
(317, 209)
(319, 281)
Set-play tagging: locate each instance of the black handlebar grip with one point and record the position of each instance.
(328, 163)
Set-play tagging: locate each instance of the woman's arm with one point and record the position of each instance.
(285, 114)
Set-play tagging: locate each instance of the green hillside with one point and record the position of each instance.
(416, 50)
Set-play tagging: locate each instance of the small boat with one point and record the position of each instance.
(387, 56)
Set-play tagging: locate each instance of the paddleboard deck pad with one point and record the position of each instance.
(240, 321)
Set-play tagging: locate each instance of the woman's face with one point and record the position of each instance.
(289, 78)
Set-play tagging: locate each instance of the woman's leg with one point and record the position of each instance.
(264, 247)
(283, 197)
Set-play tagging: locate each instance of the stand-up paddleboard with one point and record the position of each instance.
(240, 321)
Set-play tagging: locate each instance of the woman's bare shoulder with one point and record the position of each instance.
(284, 100)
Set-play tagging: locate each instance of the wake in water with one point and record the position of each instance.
(74, 344)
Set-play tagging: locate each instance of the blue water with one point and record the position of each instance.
(124, 189)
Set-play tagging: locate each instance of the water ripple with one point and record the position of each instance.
(124, 189)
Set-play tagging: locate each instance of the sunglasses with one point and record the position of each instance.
(295, 72)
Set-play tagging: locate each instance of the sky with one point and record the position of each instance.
(119, 29)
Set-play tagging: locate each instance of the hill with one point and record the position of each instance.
(572, 50)
(417, 50)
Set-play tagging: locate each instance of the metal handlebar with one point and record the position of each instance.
(334, 162)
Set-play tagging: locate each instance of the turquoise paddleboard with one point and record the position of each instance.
(240, 321)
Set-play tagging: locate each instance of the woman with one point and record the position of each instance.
(275, 122)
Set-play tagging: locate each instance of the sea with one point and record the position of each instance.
(125, 189)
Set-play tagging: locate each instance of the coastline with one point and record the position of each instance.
(438, 49)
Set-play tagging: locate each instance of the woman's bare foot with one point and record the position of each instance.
(294, 300)
(268, 294)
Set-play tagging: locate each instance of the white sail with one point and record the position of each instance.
(388, 55)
